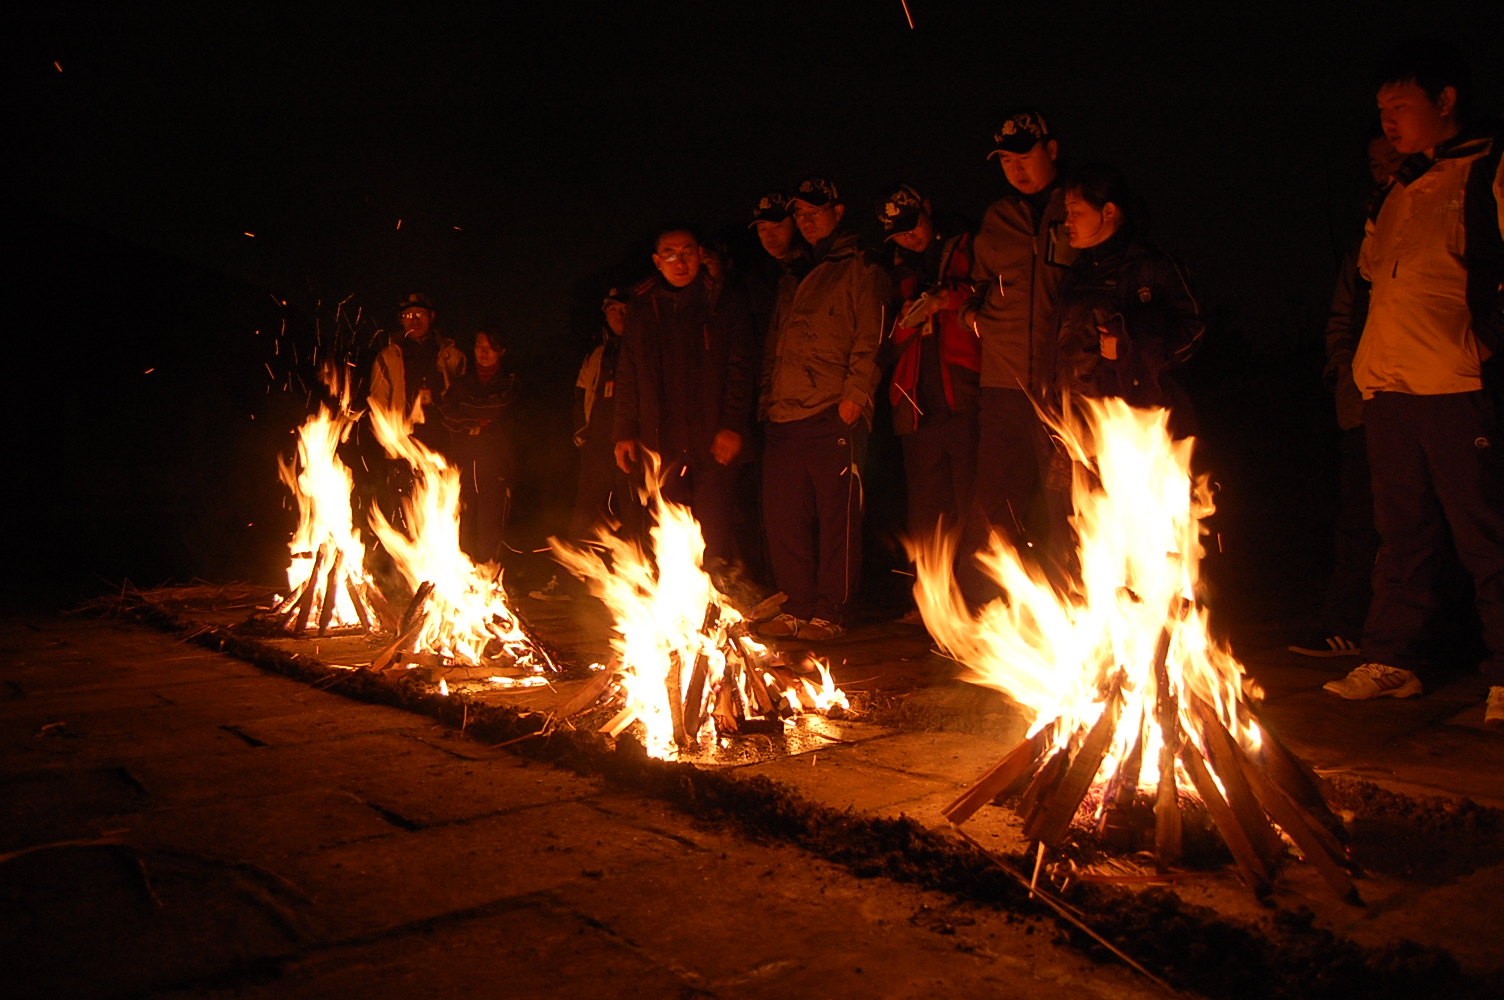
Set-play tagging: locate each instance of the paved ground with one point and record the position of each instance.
(245, 835)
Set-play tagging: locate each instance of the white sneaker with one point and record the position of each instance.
(1375, 680)
(1493, 712)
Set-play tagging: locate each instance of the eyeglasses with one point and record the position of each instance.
(801, 214)
(687, 253)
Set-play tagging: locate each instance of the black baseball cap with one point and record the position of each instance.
(417, 300)
(614, 296)
(1020, 132)
(771, 207)
(816, 191)
(900, 211)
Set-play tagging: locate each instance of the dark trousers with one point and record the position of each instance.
(812, 506)
(1355, 544)
(940, 465)
(1011, 448)
(604, 495)
(708, 489)
(1436, 465)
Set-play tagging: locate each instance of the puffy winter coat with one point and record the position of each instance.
(825, 334)
(940, 340)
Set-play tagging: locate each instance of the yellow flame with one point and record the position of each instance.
(1138, 522)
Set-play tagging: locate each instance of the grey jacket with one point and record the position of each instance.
(1016, 267)
(822, 343)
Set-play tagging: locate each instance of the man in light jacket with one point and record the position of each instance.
(819, 377)
(1434, 255)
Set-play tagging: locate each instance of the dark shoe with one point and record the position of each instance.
(818, 630)
(782, 627)
(1329, 645)
(1493, 712)
(911, 617)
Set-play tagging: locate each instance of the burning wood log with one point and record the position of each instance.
(1243, 852)
(305, 606)
(415, 606)
(767, 608)
(1066, 798)
(590, 693)
(1167, 820)
(1240, 797)
(376, 600)
(353, 589)
(331, 592)
(672, 684)
(1002, 775)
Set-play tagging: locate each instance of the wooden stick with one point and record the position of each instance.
(1288, 815)
(621, 720)
(331, 591)
(352, 587)
(1167, 821)
(590, 693)
(305, 606)
(755, 666)
(377, 600)
(695, 699)
(386, 657)
(767, 607)
(673, 686)
(284, 605)
(1224, 757)
(1304, 786)
(1249, 862)
(1031, 805)
(415, 606)
(1000, 776)
(1067, 798)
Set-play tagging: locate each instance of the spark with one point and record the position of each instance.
(906, 13)
(399, 223)
(58, 65)
(148, 371)
(251, 235)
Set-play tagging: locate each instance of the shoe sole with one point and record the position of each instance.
(1324, 653)
(1407, 690)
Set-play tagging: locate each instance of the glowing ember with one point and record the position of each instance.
(461, 611)
(684, 655)
(327, 582)
(1123, 686)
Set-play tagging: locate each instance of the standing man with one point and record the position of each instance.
(684, 386)
(1344, 605)
(417, 367)
(819, 377)
(604, 494)
(785, 253)
(1434, 255)
(937, 371)
(1021, 253)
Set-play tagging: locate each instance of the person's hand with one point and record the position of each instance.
(726, 446)
(850, 411)
(1109, 345)
(1112, 332)
(626, 455)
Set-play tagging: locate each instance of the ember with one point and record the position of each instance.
(684, 656)
(1126, 690)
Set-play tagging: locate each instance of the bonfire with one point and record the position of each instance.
(685, 661)
(1126, 693)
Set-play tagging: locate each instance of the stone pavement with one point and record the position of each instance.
(241, 834)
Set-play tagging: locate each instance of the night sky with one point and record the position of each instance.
(530, 150)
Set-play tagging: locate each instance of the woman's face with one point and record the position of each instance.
(486, 354)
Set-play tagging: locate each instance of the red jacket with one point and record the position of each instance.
(960, 349)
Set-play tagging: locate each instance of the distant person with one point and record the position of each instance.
(819, 378)
(937, 364)
(604, 495)
(417, 368)
(1019, 257)
(1125, 318)
(684, 386)
(478, 412)
(1434, 255)
(1356, 542)
(784, 252)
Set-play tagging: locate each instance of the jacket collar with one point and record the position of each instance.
(1114, 246)
(837, 246)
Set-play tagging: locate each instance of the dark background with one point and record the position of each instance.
(529, 152)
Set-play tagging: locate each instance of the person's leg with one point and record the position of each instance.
(598, 476)
(928, 480)
(788, 508)
(1467, 470)
(1412, 531)
(961, 450)
(1007, 480)
(835, 472)
(714, 505)
(1355, 543)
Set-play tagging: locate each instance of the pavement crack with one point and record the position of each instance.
(389, 815)
(242, 734)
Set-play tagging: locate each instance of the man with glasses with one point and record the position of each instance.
(417, 368)
(819, 377)
(684, 385)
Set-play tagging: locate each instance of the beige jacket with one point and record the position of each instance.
(1419, 335)
(388, 381)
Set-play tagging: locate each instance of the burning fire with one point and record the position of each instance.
(328, 556)
(460, 612)
(684, 655)
(1131, 630)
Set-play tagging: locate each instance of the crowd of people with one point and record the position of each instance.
(748, 387)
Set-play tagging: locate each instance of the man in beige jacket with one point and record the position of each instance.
(1432, 253)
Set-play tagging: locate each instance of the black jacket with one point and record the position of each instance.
(1142, 295)
(684, 371)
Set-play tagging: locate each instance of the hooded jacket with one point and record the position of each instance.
(1435, 257)
(825, 333)
(1018, 261)
(683, 372)
(405, 368)
(939, 342)
(1138, 293)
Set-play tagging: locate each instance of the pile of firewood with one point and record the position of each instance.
(294, 614)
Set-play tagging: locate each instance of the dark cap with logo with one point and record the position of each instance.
(417, 300)
(614, 296)
(1020, 132)
(899, 212)
(771, 207)
(816, 191)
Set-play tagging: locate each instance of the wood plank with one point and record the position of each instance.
(352, 587)
(997, 778)
(1252, 867)
(305, 605)
(1288, 815)
(331, 591)
(673, 687)
(590, 693)
(1066, 799)
(1224, 758)
(1167, 819)
(1031, 805)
